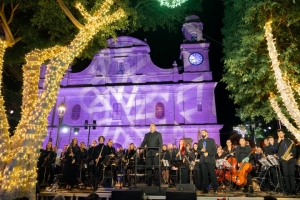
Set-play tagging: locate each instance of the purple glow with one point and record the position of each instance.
(125, 92)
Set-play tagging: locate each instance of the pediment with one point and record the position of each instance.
(124, 41)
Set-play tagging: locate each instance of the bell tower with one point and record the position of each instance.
(194, 50)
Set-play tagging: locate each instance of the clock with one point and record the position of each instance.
(195, 58)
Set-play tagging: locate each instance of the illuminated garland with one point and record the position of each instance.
(282, 118)
(285, 90)
(20, 175)
(4, 126)
(171, 3)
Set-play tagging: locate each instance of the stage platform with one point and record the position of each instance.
(153, 192)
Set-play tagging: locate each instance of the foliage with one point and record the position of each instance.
(43, 23)
(248, 73)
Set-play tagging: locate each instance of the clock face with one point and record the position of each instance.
(195, 58)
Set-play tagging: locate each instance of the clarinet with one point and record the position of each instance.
(45, 162)
(99, 155)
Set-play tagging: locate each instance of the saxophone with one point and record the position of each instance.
(287, 152)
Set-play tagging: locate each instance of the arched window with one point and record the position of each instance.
(199, 105)
(117, 111)
(76, 112)
(194, 37)
(159, 110)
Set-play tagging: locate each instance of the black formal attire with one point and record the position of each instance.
(112, 151)
(240, 154)
(228, 152)
(197, 173)
(208, 163)
(152, 140)
(82, 164)
(71, 168)
(90, 161)
(222, 156)
(45, 167)
(98, 151)
(274, 170)
(183, 176)
(128, 168)
(288, 167)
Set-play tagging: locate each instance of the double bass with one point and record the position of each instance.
(240, 177)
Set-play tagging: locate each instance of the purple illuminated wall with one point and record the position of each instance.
(124, 92)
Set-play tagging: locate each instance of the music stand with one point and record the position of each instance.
(178, 164)
(273, 160)
(264, 162)
(275, 163)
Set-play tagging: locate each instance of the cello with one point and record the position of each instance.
(240, 178)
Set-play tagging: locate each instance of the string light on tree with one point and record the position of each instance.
(171, 3)
(285, 90)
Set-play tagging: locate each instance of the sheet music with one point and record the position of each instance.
(264, 162)
(273, 160)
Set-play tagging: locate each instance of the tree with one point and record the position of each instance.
(248, 74)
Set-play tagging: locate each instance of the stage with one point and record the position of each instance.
(154, 193)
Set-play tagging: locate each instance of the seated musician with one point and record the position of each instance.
(128, 168)
(165, 155)
(243, 155)
(220, 154)
(229, 149)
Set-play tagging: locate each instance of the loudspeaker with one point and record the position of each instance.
(127, 194)
(179, 195)
(186, 187)
(108, 182)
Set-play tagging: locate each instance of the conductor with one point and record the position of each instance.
(152, 139)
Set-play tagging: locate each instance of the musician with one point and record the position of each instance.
(272, 149)
(220, 154)
(81, 161)
(170, 149)
(183, 155)
(229, 149)
(243, 154)
(97, 157)
(165, 155)
(71, 166)
(62, 159)
(266, 143)
(288, 164)
(207, 150)
(198, 179)
(152, 139)
(129, 160)
(111, 151)
(45, 165)
(90, 161)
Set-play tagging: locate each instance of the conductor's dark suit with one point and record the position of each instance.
(208, 163)
(152, 140)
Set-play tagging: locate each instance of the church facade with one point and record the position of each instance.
(122, 92)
